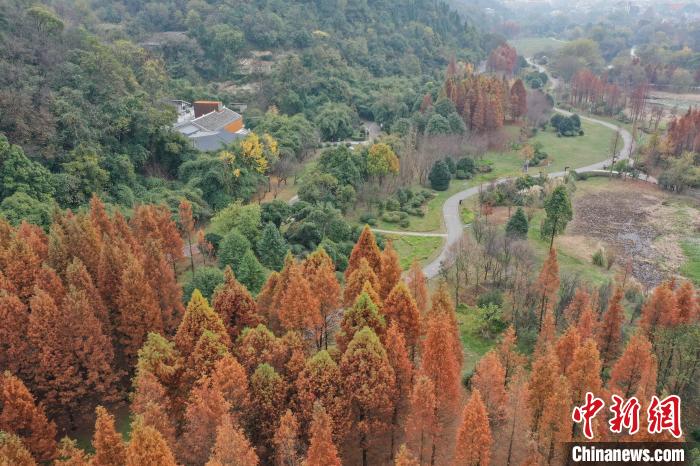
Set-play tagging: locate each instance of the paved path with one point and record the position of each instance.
(450, 209)
(409, 233)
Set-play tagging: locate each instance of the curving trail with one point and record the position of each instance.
(450, 209)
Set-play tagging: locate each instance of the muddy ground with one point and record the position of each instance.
(638, 221)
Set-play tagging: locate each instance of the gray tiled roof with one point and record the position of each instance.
(214, 121)
(214, 141)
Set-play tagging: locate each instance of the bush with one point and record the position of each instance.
(404, 223)
(598, 258)
(494, 297)
(391, 217)
(466, 164)
(440, 176)
(462, 175)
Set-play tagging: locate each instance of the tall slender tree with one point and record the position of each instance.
(110, 449)
(400, 307)
(369, 384)
(609, 335)
(417, 285)
(391, 270)
(322, 451)
(187, 226)
(365, 248)
(474, 436)
(231, 447)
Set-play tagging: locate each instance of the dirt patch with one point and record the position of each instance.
(637, 221)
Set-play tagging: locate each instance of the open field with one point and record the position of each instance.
(656, 229)
(410, 248)
(529, 46)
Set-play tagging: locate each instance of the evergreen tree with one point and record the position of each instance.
(517, 225)
(232, 248)
(272, 247)
(250, 272)
(440, 176)
(559, 213)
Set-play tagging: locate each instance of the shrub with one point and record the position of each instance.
(462, 175)
(598, 258)
(404, 223)
(440, 176)
(466, 164)
(494, 297)
(391, 217)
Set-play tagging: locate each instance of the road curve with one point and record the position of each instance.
(450, 209)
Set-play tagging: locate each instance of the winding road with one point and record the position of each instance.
(450, 209)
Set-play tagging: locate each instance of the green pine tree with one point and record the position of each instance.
(250, 273)
(440, 176)
(272, 247)
(232, 248)
(559, 213)
(517, 224)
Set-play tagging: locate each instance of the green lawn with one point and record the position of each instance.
(529, 46)
(691, 268)
(420, 248)
(578, 151)
(474, 345)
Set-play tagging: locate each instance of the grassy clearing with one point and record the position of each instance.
(574, 152)
(691, 268)
(467, 215)
(473, 344)
(569, 262)
(529, 46)
(420, 248)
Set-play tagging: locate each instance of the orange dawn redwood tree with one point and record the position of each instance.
(199, 316)
(490, 379)
(321, 381)
(299, 307)
(231, 447)
(422, 425)
(390, 271)
(235, 305)
(403, 372)
(545, 373)
(204, 411)
(507, 353)
(322, 451)
(566, 346)
(417, 284)
(579, 302)
(319, 270)
(147, 446)
(635, 370)
(400, 307)
(369, 384)
(363, 313)
(286, 441)
(267, 392)
(15, 353)
(474, 436)
(356, 282)
(365, 248)
(110, 449)
(19, 414)
(609, 335)
(13, 452)
(547, 285)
